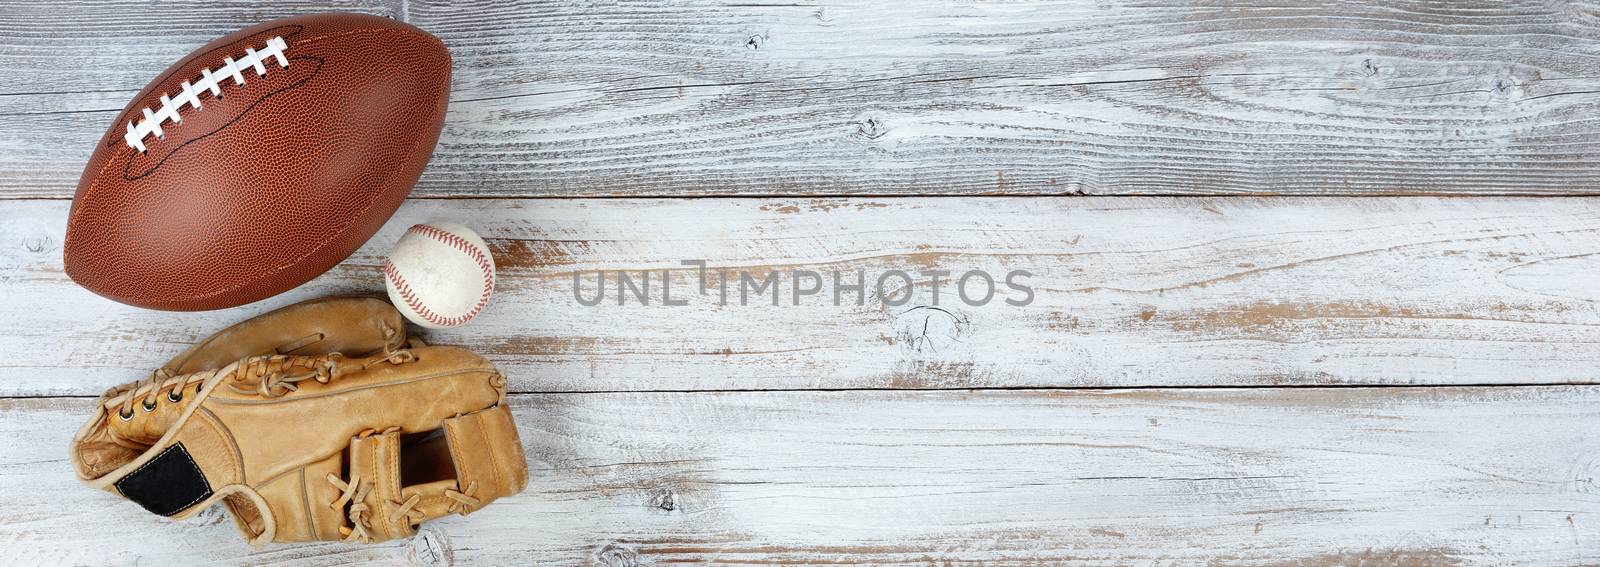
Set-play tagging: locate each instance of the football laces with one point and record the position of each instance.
(210, 81)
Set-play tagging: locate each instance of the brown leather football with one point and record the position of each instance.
(258, 162)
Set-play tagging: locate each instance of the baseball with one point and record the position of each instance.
(440, 275)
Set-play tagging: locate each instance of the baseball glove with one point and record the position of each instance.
(309, 447)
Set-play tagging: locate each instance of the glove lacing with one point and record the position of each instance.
(272, 378)
(355, 494)
(159, 381)
(271, 373)
(464, 503)
(163, 381)
(271, 370)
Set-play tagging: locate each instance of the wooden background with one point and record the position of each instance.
(1315, 281)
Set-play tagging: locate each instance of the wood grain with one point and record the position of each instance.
(1416, 476)
(1128, 292)
(869, 98)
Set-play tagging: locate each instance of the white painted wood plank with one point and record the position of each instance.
(1262, 476)
(1128, 292)
(859, 97)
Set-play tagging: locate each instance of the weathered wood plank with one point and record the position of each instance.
(1077, 97)
(1127, 292)
(1262, 476)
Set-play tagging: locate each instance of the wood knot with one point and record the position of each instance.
(1501, 87)
(1586, 475)
(754, 42)
(871, 128)
(925, 329)
(430, 548)
(613, 555)
(39, 244)
(664, 499)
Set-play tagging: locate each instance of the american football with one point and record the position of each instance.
(258, 162)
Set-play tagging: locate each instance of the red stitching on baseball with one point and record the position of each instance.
(453, 241)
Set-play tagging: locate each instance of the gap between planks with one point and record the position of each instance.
(880, 196)
(978, 389)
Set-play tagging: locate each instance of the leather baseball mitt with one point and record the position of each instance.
(310, 447)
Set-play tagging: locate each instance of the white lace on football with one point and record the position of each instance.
(210, 81)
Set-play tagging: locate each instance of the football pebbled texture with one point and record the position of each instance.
(254, 189)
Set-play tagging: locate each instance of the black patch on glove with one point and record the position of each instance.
(167, 484)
